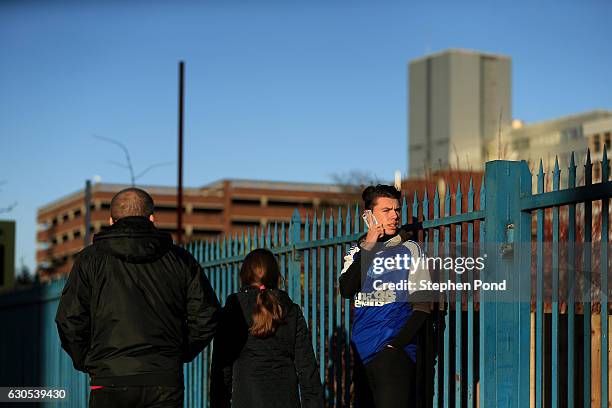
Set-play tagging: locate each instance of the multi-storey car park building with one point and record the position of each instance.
(221, 208)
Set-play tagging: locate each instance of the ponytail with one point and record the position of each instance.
(261, 269)
(268, 314)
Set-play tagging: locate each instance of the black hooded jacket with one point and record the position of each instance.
(135, 307)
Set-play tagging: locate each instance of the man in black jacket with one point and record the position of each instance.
(134, 309)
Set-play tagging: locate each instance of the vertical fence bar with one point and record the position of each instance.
(314, 287)
(458, 306)
(586, 335)
(604, 282)
(415, 208)
(294, 267)
(539, 295)
(330, 308)
(237, 252)
(481, 307)
(204, 259)
(307, 271)
(470, 304)
(285, 258)
(347, 323)
(571, 313)
(436, 249)
(321, 304)
(447, 234)
(195, 250)
(339, 344)
(555, 292)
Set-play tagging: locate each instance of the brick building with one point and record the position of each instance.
(223, 207)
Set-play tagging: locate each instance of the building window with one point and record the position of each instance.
(607, 140)
(596, 143)
(288, 204)
(197, 231)
(54, 221)
(77, 213)
(54, 241)
(65, 238)
(200, 210)
(105, 206)
(77, 234)
(245, 224)
(166, 208)
(246, 201)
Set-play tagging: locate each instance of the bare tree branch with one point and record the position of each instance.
(125, 151)
(123, 166)
(152, 167)
(9, 208)
(353, 183)
(128, 160)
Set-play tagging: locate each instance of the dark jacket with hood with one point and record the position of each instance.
(276, 371)
(135, 307)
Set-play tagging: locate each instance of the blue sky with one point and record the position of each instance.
(275, 90)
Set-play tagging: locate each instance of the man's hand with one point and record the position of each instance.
(374, 232)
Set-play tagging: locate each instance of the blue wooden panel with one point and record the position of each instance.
(505, 381)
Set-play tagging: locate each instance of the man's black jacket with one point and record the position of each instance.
(135, 307)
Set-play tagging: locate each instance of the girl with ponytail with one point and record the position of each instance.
(262, 354)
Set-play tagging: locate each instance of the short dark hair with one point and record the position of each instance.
(131, 202)
(371, 193)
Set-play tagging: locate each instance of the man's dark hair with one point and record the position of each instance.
(371, 193)
(131, 202)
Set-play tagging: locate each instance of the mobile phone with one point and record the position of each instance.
(367, 217)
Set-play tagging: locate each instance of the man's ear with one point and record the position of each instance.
(110, 221)
(152, 218)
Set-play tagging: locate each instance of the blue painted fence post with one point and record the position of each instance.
(295, 259)
(506, 316)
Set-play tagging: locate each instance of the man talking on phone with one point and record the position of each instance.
(385, 323)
